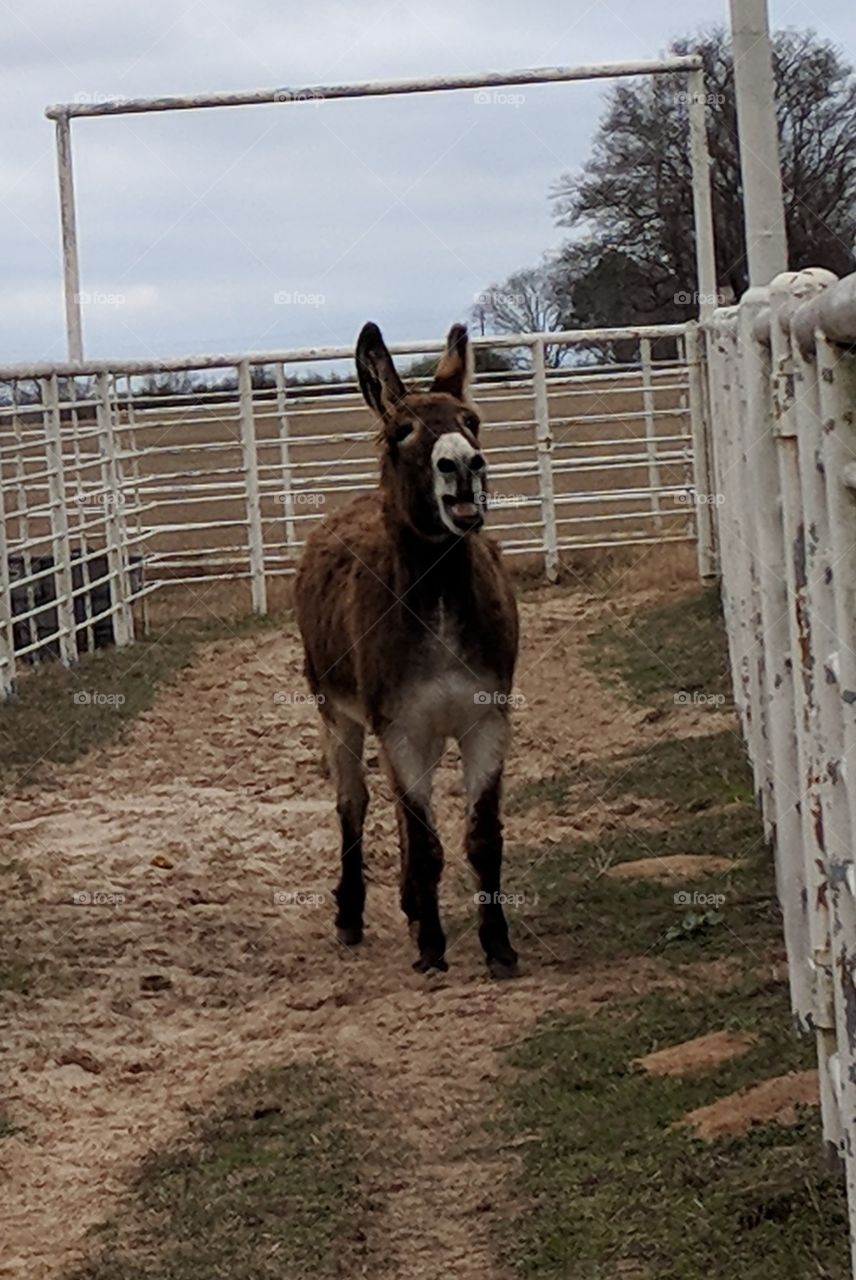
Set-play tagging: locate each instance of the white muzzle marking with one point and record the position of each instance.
(454, 447)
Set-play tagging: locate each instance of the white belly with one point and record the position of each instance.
(445, 704)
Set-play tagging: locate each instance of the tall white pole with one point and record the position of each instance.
(705, 237)
(68, 224)
(760, 162)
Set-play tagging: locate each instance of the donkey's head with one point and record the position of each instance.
(432, 471)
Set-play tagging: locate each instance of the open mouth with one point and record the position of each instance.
(464, 515)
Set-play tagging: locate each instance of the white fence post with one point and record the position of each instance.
(285, 455)
(114, 517)
(7, 622)
(250, 468)
(60, 542)
(702, 480)
(837, 385)
(742, 589)
(779, 755)
(705, 238)
(544, 446)
(828, 799)
(785, 291)
(650, 431)
(726, 473)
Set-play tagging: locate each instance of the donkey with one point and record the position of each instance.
(409, 628)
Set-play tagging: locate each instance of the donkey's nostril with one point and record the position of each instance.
(445, 464)
(477, 463)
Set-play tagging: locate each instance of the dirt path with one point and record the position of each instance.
(202, 852)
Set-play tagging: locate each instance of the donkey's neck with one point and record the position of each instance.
(432, 569)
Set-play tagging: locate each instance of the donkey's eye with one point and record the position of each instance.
(402, 431)
(472, 423)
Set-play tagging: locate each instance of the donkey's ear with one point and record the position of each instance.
(455, 369)
(380, 384)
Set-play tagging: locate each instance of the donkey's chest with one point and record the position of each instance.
(447, 685)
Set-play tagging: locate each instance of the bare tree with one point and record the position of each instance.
(633, 197)
(525, 303)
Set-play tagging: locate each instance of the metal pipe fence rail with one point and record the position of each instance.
(783, 388)
(122, 479)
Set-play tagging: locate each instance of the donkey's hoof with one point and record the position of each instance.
(351, 936)
(426, 963)
(509, 967)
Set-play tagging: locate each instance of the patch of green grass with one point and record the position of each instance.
(674, 650)
(691, 774)
(613, 1189)
(609, 1187)
(576, 914)
(703, 786)
(269, 1187)
(58, 714)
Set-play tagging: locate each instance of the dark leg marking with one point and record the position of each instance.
(484, 852)
(421, 877)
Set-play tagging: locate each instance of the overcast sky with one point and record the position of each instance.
(268, 227)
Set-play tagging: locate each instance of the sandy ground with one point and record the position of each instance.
(776, 1101)
(177, 888)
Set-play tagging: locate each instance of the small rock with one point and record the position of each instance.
(80, 1058)
(152, 982)
(652, 716)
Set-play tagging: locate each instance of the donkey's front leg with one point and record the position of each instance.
(411, 766)
(345, 755)
(483, 751)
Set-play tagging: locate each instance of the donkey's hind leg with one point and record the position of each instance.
(483, 751)
(410, 763)
(345, 756)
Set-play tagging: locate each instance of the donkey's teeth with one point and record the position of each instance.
(464, 510)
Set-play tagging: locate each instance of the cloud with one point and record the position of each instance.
(399, 208)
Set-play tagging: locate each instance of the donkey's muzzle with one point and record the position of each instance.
(465, 514)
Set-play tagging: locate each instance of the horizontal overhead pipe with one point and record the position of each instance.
(371, 88)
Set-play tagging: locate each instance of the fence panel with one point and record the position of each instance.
(121, 479)
(789, 579)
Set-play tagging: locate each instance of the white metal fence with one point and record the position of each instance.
(783, 381)
(118, 480)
